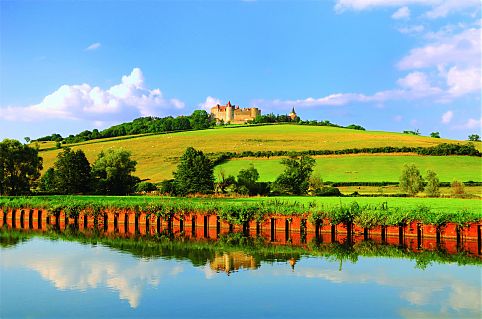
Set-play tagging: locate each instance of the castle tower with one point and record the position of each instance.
(293, 114)
(229, 112)
(254, 112)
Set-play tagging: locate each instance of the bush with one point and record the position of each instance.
(458, 188)
(168, 186)
(327, 191)
(145, 187)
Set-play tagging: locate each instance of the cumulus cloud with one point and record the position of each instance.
(437, 8)
(465, 81)
(209, 103)
(123, 101)
(402, 13)
(447, 117)
(93, 46)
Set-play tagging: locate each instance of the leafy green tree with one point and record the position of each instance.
(112, 172)
(474, 137)
(294, 179)
(224, 182)
(435, 134)
(145, 187)
(20, 166)
(194, 173)
(247, 179)
(48, 182)
(200, 119)
(432, 187)
(72, 172)
(27, 139)
(411, 181)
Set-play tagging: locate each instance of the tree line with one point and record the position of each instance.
(443, 149)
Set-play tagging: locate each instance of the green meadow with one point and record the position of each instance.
(366, 168)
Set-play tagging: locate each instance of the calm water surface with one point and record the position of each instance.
(41, 277)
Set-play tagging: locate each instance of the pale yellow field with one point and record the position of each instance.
(157, 155)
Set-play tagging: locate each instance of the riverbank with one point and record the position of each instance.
(364, 211)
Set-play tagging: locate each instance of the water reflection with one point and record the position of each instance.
(427, 283)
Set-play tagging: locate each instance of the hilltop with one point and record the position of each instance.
(157, 155)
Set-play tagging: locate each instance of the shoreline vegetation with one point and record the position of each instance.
(364, 212)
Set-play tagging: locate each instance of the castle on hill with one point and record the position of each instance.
(233, 113)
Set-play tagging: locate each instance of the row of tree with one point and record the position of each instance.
(110, 174)
(198, 120)
(195, 175)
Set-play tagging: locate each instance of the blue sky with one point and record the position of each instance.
(392, 65)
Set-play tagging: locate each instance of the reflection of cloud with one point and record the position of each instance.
(80, 269)
(416, 287)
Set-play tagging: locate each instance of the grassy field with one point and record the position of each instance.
(366, 168)
(157, 154)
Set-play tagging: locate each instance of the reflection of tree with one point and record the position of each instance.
(12, 239)
(198, 252)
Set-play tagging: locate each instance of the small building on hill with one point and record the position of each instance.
(293, 114)
(233, 113)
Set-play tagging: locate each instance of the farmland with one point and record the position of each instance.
(366, 167)
(157, 155)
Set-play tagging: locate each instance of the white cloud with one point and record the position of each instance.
(128, 99)
(465, 81)
(461, 49)
(438, 8)
(209, 103)
(471, 123)
(93, 46)
(413, 86)
(402, 13)
(447, 117)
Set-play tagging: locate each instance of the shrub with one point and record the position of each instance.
(458, 188)
(145, 187)
(327, 191)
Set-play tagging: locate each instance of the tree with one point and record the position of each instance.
(48, 181)
(411, 181)
(27, 139)
(224, 182)
(20, 166)
(200, 119)
(432, 187)
(474, 137)
(194, 173)
(112, 172)
(294, 179)
(72, 172)
(247, 179)
(435, 134)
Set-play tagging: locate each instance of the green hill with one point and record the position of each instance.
(157, 155)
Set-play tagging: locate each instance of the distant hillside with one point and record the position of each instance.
(157, 154)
